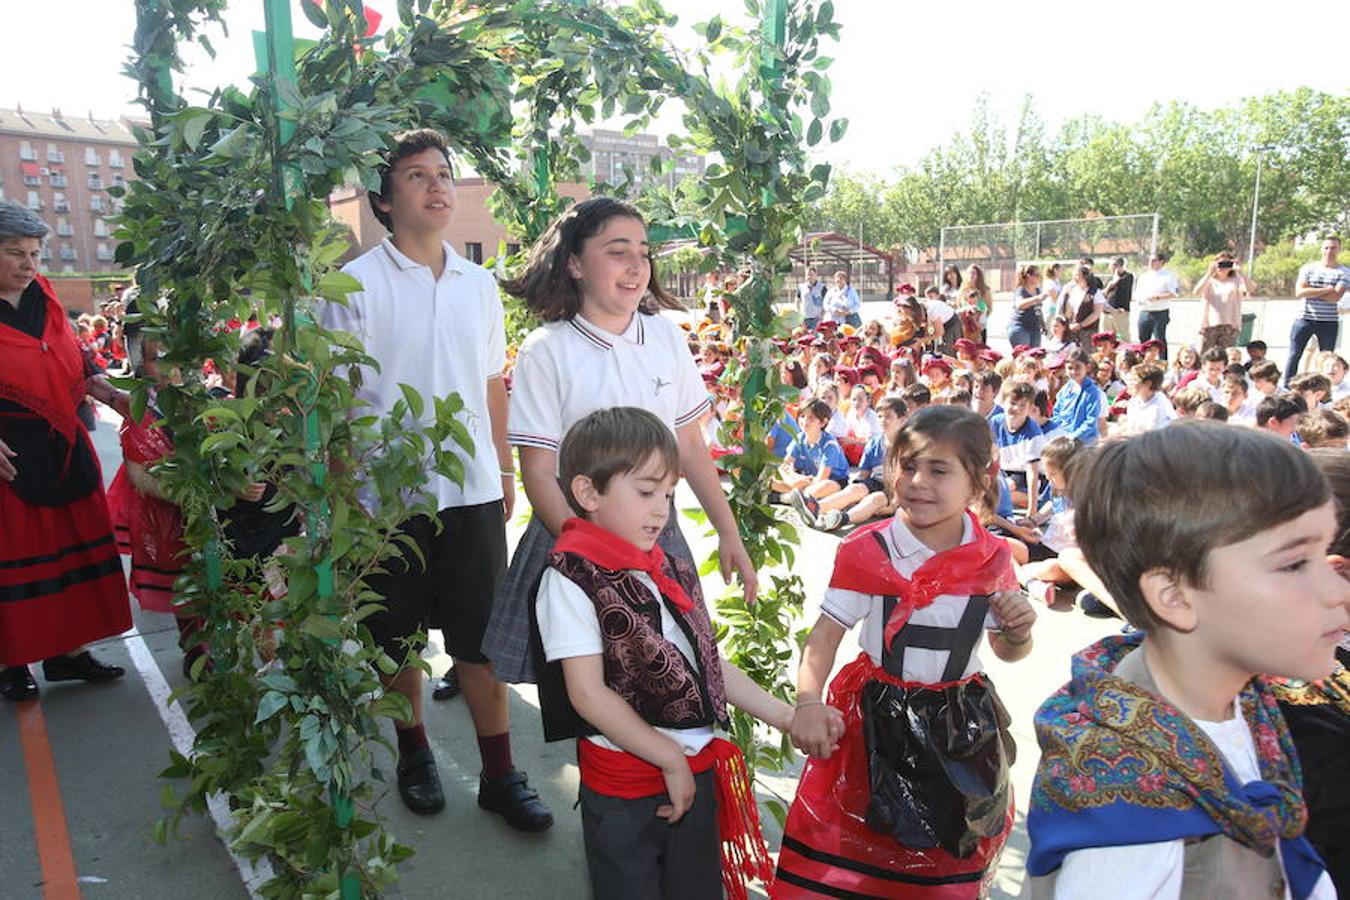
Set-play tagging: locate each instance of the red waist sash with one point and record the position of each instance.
(614, 773)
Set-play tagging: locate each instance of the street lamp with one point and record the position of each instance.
(1261, 151)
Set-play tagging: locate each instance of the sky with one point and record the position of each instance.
(906, 74)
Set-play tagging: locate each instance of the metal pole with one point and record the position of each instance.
(1256, 204)
(1153, 241)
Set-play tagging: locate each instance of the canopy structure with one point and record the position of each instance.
(871, 269)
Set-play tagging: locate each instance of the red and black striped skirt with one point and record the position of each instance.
(61, 579)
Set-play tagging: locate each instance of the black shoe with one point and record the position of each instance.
(1094, 608)
(517, 802)
(447, 688)
(81, 667)
(16, 683)
(419, 784)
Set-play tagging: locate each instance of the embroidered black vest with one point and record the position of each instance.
(641, 666)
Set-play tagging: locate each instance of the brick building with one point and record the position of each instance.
(612, 151)
(61, 167)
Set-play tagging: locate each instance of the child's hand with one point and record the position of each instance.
(816, 730)
(1015, 611)
(680, 788)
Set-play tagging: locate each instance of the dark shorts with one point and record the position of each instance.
(873, 485)
(634, 855)
(453, 591)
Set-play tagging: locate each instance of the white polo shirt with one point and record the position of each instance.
(438, 336)
(567, 370)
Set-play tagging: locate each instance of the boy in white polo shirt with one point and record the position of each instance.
(433, 321)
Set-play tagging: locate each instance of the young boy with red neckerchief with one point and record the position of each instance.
(632, 672)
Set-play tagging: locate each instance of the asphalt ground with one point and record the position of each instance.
(109, 742)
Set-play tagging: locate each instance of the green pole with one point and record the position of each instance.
(275, 52)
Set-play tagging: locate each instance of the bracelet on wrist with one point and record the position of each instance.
(1016, 642)
(508, 473)
(809, 702)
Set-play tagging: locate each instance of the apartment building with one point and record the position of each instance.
(61, 167)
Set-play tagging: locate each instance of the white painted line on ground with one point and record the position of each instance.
(182, 736)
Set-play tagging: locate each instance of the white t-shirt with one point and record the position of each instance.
(907, 553)
(838, 424)
(1246, 414)
(567, 370)
(1151, 283)
(438, 336)
(568, 628)
(864, 426)
(1155, 871)
(1147, 415)
(939, 312)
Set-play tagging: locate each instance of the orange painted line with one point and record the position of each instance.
(49, 814)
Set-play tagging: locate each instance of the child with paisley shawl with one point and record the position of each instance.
(1166, 756)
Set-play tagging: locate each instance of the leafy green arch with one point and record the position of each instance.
(229, 216)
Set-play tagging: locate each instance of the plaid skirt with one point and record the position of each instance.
(507, 641)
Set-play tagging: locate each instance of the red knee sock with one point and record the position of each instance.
(496, 753)
(411, 739)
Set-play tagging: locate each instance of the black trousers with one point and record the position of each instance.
(633, 855)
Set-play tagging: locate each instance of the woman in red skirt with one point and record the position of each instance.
(61, 580)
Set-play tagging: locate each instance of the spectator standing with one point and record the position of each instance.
(973, 304)
(1221, 292)
(1321, 287)
(951, 284)
(1153, 293)
(842, 303)
(942, 317)
(1083, 304)
(1051, 285)
(1119, 292)
(1024, 323)
(811, 299)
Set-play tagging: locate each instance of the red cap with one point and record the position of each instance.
(1105, 337)
(906, 288)
(966, 344)
(1036, 352)
(990, 356)
(937, 362)
(1019, 349)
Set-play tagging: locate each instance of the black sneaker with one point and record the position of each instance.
(16, 683)
(81, 667)
(447, 686)
(512, 797)
(419, 784)
(1094, 608)
(807, 507)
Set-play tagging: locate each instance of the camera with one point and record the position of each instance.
(1226, 264)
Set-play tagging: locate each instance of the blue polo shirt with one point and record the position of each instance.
(874, 454)
(808, 459)
(782, 435)
(1078, 409)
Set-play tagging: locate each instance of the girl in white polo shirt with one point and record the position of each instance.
(590, 278)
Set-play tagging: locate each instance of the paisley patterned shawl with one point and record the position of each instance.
(1121, 766)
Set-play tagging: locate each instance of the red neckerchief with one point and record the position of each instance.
(46, 374)
(862, 564)
(609, 551)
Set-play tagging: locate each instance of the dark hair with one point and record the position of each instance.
(1236, 381)
(1335, 465)
(951, 268)
(1235, 370)
(895, 404)
(1019, 390)
(1211, 410)
(1310, 381)
(819, 410)
(990, 378)
(1149, 375)
(611, 442)
(1332, 237)
(916, 395)
(1078, 355)
(1214, 354)
(796, 375)
(253, 350)
(410, 143)
(1166, 498)
(959, 397)
(963, 430)
(1265, 370)
(1279, 407)
(1256, 345)
(1322, 425)
(546, 285)
(1118, 261)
